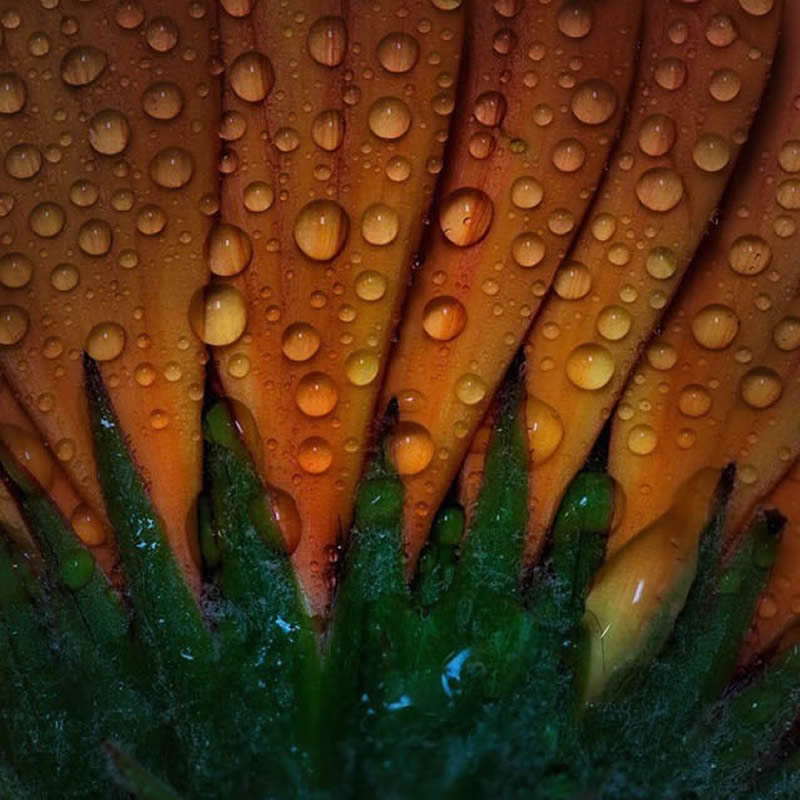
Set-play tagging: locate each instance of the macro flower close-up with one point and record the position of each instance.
(400, 399)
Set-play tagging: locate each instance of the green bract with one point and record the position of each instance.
(465, 684)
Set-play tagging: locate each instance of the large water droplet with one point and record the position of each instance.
(657, 135)
(316, 394)
(16, 270)
(218, 314)
(526, 192)
(398, 52)
(572, 281)
(370, 285)
(528, 249)
(642, 440)
(614, 323)
(761, 387)
(725, 85)
(23, 161)
(661, 263)
(412, 448)
(575, 19)
(594, 102)
(659, 189)
(300, 341)
(327, 130)
(229, 249)
(490, 108)
(715, 326)
(163, 100)
(786, 334)
(95, 237)
(172, 167)
(749, 255)
(569, 155)
(83, 65)
(444, 318)
(327, 41)
(590, 366)
(471, 389)
(711, 152)
(361, 367)
(47, 220)
(314, 455)
(389, 118)
(13, 324)
(545, 429)
(105, 341)
(109, 132)
(465, 216)
(321, 229)
(694, 400)
(252, 76)
(380, 224)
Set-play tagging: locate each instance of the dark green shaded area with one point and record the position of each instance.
(463, 684)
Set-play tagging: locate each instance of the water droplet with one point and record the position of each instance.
(659, 189)
(670, 73)
(749, 255)
(23, 161)
(590, 366)
(370, 285)
(163, 100)
(150, 220)
(105, 341)
(13, 324)
(327, 41)
(711, 153)
(465, 216)
(252, 76)
(715, 326)
(526, 192)
(47, 220)
(412, 448)
(528, 249)
(614, 323)
(761, 387)
(389, 118)
(444, 318)
(572, 281)
(569, 155)
(161, 34)
(321, 228)
(757, 8)
(380, 224)
(661, 263)
(725, 85)
(238, 8)
(327, 130)
(470, 389)
(642, 440)
(316, 394)
(82, 65)
(398, 52)
(657, 135)
(398, 169)
(694, 400)
(172, 167)
(789, 156)
(95, 237)
(575, 19)
(661, 355)
(64, 277)
(721, 31)
(481, 145)
(314, 455)
(109, 132)
(361, 367)
(490, 109)
(218, 314)
(229, 249)
(129, 14)
(83, 193)
(788, 194)
(604, 226)
(16, 270)
(786, 334)
(594, 102)
(258, 197)
(545, 429)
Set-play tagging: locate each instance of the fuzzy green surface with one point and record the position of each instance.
(467, 683)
